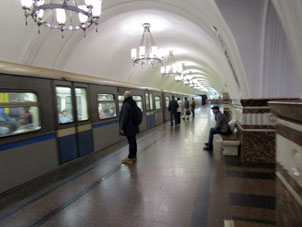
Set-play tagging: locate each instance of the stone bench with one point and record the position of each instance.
(229, 144)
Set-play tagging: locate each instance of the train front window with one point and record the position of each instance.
(139, 101)
(157, 102)
(82, 107)
(64, 105)
(19, 113)
(106, 106)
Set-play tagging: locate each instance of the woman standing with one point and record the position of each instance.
(178, 113)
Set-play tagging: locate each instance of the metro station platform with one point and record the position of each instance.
(173, 183)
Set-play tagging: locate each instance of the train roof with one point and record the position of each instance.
(33, 71)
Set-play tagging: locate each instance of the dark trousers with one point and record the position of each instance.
(193, 112)
(132, 146)
(178, 117)
(173, 116)
(214, 131)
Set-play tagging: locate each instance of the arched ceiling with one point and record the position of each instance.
(184, 26)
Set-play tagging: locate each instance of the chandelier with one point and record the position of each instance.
(63, 14)
(147, 53)
(171, 68)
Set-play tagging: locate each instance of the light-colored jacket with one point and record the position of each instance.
(179, 109)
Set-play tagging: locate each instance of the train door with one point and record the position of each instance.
(150, 118)
(73, 121)
(83, 119)
(166, 111)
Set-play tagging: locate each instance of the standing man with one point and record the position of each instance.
(128, 127)
(222, 127)
(186, 109)
(192, 104)
(173, 105)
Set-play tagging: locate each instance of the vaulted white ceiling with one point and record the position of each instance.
(181, 25)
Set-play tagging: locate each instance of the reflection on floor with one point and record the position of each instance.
(173, 183)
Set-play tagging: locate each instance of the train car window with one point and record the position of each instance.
(147, 101)
(167, 101)
(120, 101)
(82, 105)
(139, 101)
(151, 102)
(157, 103)
(64, 105)
(106, 106)
(19, 113)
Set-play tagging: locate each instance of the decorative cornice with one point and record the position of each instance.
(289, 110)
(290, 134)
(261, 102)
(256, 128)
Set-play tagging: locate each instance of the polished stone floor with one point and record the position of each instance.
(173, 183)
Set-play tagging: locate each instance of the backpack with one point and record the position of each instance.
(137, 115)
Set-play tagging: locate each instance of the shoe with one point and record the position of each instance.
(128, 160)
(184, 118)
(207, 144)
(208, 149)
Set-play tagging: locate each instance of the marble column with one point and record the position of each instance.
(288, 162)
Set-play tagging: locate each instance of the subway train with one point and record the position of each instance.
(49, 118)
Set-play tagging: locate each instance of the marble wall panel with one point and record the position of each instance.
(288, 210)
(257, 145)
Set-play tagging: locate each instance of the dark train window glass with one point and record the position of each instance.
(147, 101)
(151, 102)
(64, 105)
(82, 106)
(167, 101)
(157, 102)
(19, 113)
(120, 101)
(139, 101)
(106, 106)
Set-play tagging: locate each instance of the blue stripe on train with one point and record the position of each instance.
(105, 124)
(27, 141)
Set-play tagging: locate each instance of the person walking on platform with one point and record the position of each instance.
(173, 109)
(128, 127)
(192, 104)
(179, 109)
(186, 109)
(222, 127)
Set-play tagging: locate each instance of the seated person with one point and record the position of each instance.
(7, 124)
(25, 117)
(65, 117)
(222, 127)
(105, 114)
(112, 112)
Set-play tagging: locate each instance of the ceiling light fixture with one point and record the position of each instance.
(147, 53)
(171, 68)
(63, 14)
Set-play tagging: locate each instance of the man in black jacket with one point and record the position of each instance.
(127, 126)
(173, 105)
(222, 127)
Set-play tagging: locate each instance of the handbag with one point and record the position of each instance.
(188, 112)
